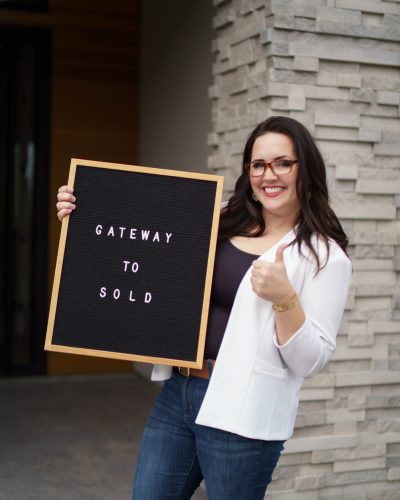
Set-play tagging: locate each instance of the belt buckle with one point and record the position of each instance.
(184, 371)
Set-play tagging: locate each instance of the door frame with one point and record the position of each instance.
(41, 39)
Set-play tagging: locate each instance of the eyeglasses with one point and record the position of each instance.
(257, 168)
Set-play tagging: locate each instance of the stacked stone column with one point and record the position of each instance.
(335, 66)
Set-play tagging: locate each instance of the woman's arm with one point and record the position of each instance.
(270, 281)
(288, 322)
(323, 299)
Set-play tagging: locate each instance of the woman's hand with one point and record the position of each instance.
(66, 200)
(270, 280)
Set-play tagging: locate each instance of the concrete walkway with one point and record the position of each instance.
(72, 438)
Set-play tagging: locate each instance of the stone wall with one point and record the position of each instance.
(335, 66)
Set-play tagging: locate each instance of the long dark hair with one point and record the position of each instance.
(243, 216)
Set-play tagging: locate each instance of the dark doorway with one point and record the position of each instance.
(25, 56)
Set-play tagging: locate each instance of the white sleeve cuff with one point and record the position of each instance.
(292, 338)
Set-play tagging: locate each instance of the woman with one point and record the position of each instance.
(280, 284)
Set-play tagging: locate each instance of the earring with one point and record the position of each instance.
(254, 196)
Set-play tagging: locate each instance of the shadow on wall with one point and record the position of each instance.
(176, 71)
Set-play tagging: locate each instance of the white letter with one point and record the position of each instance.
(130, 296)
(145, 234)
(110, 231)
(168, 235)
(121, 230)
(135, 267)
(156, 237)
(126, 262)
(116, 294)
(147, 297)
(133, 233)
(103, 292)
(99, 229)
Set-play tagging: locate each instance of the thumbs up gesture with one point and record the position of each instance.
(270, 280)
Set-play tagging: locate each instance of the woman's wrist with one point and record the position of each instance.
(287, 304)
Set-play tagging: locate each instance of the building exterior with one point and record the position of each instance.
(100, 89)
(335, 66)
(69, 88)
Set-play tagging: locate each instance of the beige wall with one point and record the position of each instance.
(176, 66)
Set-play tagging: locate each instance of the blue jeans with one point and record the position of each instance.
(176, 453)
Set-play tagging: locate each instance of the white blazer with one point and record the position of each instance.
(254, 388)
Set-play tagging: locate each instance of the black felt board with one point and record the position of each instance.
(152, 306)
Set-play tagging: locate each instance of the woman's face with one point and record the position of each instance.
(276, 193)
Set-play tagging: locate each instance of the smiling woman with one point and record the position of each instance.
(301, 201)
(275, 188)
(280, 284)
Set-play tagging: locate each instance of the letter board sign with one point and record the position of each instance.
(134, 265)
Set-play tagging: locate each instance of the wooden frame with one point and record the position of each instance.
(51, 345)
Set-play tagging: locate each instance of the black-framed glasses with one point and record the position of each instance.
(257, 168)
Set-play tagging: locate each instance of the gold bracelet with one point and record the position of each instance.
(289, 305)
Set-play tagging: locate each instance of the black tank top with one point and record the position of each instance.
(231, 264)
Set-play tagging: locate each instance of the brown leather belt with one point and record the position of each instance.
(197, 372)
